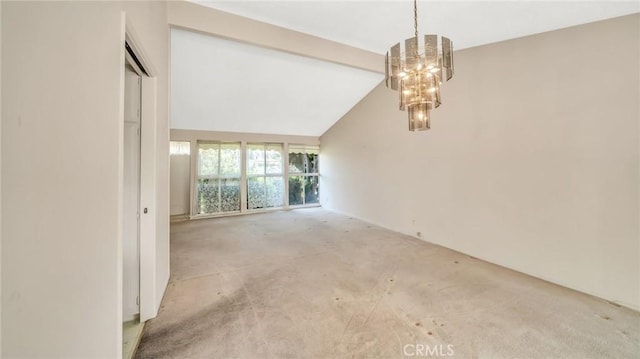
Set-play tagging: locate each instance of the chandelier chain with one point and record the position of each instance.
(415, 26)
(415, 17)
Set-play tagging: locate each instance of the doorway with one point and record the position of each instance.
(132, 133)
(141, 284)
(131, 195)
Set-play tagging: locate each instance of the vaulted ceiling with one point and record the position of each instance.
(222, 85)
(376, 25)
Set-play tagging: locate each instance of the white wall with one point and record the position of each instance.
(179, 184)
(61, 147)
(0, 181)
(532, 161)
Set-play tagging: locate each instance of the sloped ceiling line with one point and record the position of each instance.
(206, 20)
(376, 25)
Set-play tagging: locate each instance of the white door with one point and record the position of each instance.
(131, 192)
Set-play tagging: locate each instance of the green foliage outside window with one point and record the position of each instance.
(303, 181)
(218, 184)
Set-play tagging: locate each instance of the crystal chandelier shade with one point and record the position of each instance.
(416, 70)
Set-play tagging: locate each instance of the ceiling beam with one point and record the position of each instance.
(194, 17)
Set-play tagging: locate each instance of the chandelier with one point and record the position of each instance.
(415, 69)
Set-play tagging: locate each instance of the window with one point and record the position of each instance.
(179, 148)
(234, 177)
(265, 178)
(218, 178)
(303, 175)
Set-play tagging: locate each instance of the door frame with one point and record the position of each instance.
(148, 174)
(127, 277)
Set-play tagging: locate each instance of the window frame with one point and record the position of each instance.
(218, 178)
(303, 174)
(265, 175)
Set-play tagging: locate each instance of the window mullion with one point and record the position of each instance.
(304, 190)
(285, 174)
(244, 181)
(264, 175)
(193, 174)
(219, 179)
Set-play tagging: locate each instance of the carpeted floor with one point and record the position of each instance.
(315, 284)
